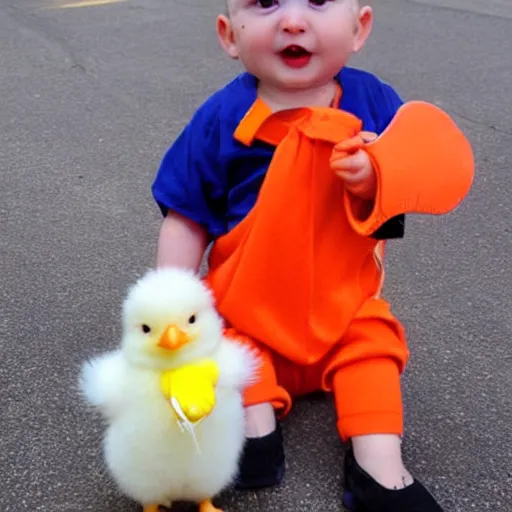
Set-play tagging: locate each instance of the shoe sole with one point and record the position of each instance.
(350, 504)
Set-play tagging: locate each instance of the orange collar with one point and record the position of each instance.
(261, 123)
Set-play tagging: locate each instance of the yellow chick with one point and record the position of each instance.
(172, 394)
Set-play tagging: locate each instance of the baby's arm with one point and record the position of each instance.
(182, 243)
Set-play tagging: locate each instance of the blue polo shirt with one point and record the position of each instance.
(211, 178)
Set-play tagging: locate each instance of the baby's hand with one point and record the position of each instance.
(353, 165)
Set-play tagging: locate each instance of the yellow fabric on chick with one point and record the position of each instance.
(193, 386)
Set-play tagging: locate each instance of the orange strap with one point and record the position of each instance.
(292, 273)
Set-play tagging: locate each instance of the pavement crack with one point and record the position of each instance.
(482, 9)
(79, 67)
(482, 123)
(30, 22)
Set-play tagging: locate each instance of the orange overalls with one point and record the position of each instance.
(299, 279)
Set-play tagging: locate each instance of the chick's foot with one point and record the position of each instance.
(151, 508)
(207, 506)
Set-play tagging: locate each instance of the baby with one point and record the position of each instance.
(298, 171)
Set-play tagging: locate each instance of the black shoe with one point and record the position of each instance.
(364, 494)
(262, 463)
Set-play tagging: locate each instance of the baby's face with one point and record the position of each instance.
(296, 44)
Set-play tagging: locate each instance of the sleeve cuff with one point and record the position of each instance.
(424, 164)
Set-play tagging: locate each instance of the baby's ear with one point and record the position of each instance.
(363, 28)
(226, 36)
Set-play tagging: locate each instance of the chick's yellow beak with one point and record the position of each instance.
(173, 338)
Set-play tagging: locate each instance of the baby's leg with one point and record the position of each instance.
(369, 408)
(365, 379)
(262, 463)
(260, 420)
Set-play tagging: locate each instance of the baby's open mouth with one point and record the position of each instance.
(295, 56)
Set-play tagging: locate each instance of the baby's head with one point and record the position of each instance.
(294, 44)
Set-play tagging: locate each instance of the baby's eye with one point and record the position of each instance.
(319, 2)
(266, 4)
(146, 328)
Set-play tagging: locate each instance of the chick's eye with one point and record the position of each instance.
(146, 329)
(192, 319)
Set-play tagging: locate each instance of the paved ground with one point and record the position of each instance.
(90, 98)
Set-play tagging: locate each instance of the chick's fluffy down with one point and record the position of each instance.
(148, 455)
(151, 459)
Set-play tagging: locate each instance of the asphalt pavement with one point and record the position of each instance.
(91, 96)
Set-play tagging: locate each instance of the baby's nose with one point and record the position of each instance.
(293, 21)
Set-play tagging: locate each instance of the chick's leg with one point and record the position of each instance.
(207, 506)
